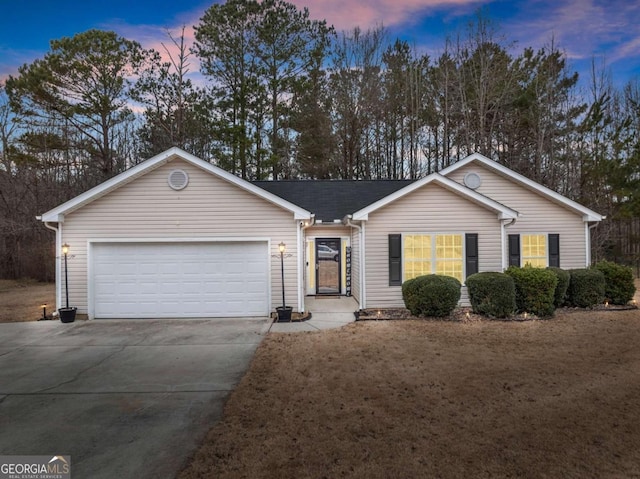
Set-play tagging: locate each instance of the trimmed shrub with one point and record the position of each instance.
(618, 282)
(586, 288)
(492, 294)
(431, 295)
(535, 289)
(563, 276)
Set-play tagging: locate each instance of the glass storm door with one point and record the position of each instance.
(328, 266)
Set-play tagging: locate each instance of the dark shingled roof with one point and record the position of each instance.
(332, 199)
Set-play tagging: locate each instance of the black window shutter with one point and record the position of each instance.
(395, 260)
(514, 250)
(554, 250)
(471, 249)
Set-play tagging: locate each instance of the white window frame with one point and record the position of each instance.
(433, 250)
(546, 248)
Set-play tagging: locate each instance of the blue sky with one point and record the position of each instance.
(608, 29)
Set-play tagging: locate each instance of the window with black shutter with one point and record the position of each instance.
(395, 260)
(514, 250)
(554, 250)
(471, 252)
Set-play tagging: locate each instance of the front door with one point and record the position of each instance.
(328, 266)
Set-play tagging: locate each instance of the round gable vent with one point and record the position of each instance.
(178, 179)
(472, 180)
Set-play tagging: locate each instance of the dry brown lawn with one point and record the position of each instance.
(556, 398)
(21, 300)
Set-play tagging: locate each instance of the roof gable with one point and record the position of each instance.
(503, 211)
(57, 214)
(587, 214)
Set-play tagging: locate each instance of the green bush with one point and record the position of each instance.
(563, 276)
(535, 289)
(492, 294)
(618, 282)
(586, 288)
(431, 295)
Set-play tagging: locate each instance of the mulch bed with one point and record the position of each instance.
(295, 317)
(466, 314)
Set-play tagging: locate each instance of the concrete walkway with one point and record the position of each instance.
(326, 313)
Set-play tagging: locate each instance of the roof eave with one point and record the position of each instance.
(51, 218)
(508, 215)
(360, 217)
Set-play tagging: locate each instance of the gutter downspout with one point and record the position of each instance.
(303, 225)
(58, 272)
(360, 228)
(503, 226)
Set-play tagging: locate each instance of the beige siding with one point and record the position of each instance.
(209, 208)
(537, 213)
(430, 209)
(325, 231)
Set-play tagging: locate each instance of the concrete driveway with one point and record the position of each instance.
(123, 398)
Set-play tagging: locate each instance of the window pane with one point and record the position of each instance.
(417, 256)
(536, 262)
(449, 247)
(450, 268)
(534, 250)
(421, 257)
(449, 256)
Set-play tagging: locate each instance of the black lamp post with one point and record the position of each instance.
(65, 252)
(282, 247)
(284, 311)
(67, 314)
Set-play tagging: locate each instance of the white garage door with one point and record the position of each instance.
(173, 280)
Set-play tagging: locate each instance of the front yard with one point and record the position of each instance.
(22, 300)
(407, 399)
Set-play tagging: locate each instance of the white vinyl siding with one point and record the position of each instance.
(326, 231)
(537, 213)
(209, 208)
(431, 208)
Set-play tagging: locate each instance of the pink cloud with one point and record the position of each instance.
(342, 14)
(157, 38)
(347, 14)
